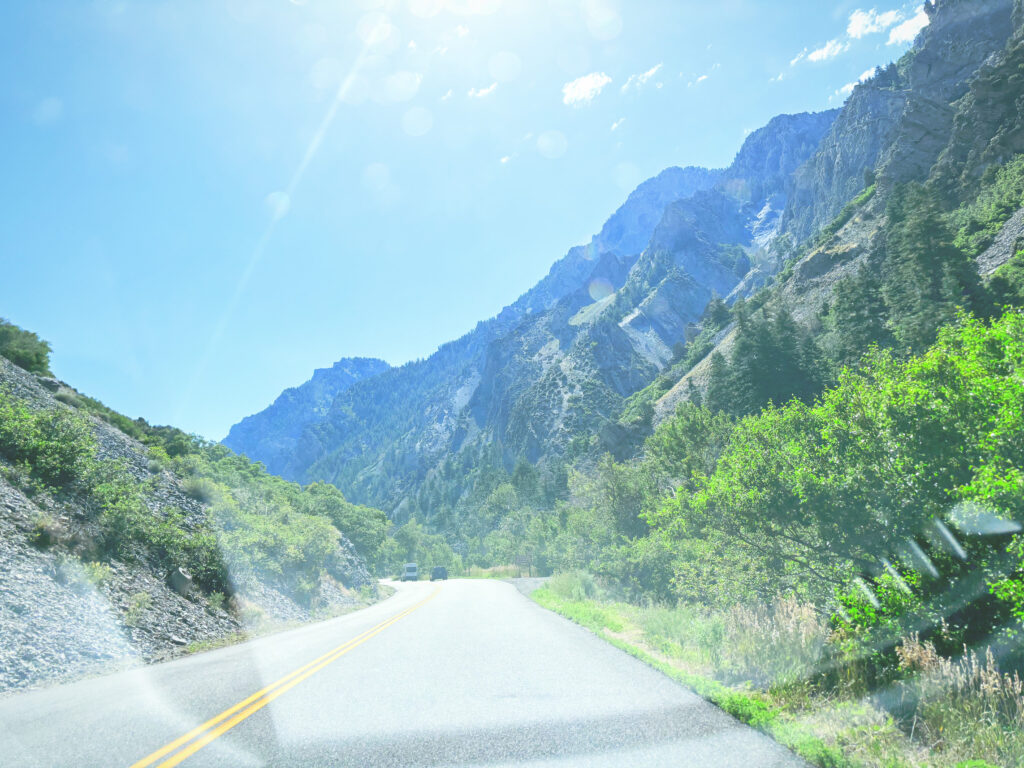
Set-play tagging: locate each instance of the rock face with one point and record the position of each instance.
(897, 123)
(988, 123)
(271, 435)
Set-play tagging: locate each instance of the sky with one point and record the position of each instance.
(202, 201)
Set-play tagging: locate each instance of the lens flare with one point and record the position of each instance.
(600, 288)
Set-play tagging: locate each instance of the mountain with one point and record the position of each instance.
(557, 365)
(273, 433)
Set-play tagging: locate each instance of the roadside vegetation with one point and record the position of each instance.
(785, 670)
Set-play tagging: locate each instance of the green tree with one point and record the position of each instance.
(856, 318)
(925, 277)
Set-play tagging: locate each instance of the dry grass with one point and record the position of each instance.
(960, 709)
(965, 707)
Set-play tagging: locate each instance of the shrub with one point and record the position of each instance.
(201, 489)
(78, 576)
(576, 585)
(138, 605)
(57, 446)
(24, 348)
(68, 398)
(97, 573)
(46, 531)
(216, 601)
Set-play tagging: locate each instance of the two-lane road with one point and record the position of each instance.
(461, 673)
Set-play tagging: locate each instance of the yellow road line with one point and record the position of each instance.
(210, 730)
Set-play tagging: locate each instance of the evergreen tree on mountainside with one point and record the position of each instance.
(774, 359)
(856, 318)
(925, 276)
(718, 395)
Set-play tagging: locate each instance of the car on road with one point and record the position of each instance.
(411, 573)
(439, 573)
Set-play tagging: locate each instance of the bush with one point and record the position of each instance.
(46, 531)
(68, 398)
(80, 577)
(577, 585)
(97, 573)
(138, 605)
(201, 489)
(24, 348)
(216, 601)
(57, 446)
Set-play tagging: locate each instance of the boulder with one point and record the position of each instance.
(180, 581)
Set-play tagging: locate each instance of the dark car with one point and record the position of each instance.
(439, 572)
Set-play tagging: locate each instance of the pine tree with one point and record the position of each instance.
(925, 276)
(719, 393)
(857, 317)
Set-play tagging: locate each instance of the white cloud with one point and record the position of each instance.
(412, 45)
(448, 96)
(482, 93)
(847, 89)
(798, 58)
(864, 23)
(702, 78)
(830, 50)
(778, 78)
(584, 90)
(618, 123)
(506, 160)
(639, 81)
(461, 31)
(907, 31)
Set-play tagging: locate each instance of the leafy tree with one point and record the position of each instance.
(366, 528)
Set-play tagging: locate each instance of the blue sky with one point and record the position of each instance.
(204, 201)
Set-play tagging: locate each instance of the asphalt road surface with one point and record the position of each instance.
(463, 673)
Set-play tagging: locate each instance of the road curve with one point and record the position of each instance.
(462, 674)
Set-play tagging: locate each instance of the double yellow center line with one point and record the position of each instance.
(200, 736)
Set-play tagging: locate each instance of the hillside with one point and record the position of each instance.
(117, 551)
